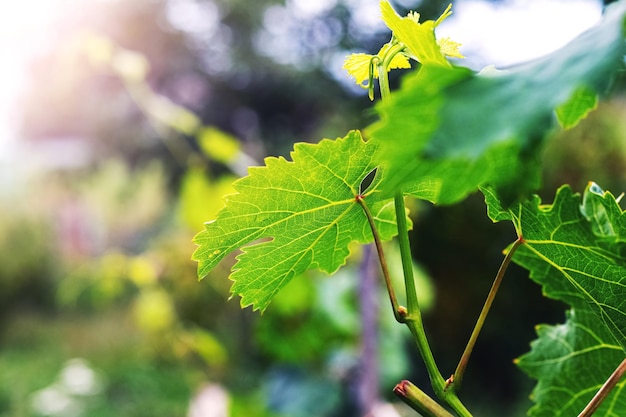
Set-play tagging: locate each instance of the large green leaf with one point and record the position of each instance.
(307, 209)
(575, 249)
(571, 362)
(567, 251)
(448, 130)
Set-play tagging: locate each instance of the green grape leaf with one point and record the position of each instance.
(571, 361)
(568, 250)
(583, 101)
(449, 130)
(575, 248)
(298, 215)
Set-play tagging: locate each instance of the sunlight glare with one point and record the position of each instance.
(26, 30)
(515, 31)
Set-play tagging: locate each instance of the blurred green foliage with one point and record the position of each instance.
(25, 278)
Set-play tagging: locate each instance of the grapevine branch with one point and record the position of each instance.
(411, 316)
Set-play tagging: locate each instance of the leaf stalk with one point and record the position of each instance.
(604, 391)
(399, 312)
(456, 378)
(411, 317)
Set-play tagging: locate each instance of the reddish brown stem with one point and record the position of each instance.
(604, 391)
(419, 400)
(456, 378)
(398, 311)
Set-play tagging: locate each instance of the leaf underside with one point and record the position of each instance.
(565, 253)
(571, 361)
(576, 249)
(294, 216)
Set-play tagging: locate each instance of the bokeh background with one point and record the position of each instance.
(122, 126)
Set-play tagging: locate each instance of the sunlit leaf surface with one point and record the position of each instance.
(300, 214)
(418, 37)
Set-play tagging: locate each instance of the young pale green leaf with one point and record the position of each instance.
(571, 361)
(567, 251)
(300, 214)
(449, 128)
(358, 65)
(419, 38)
